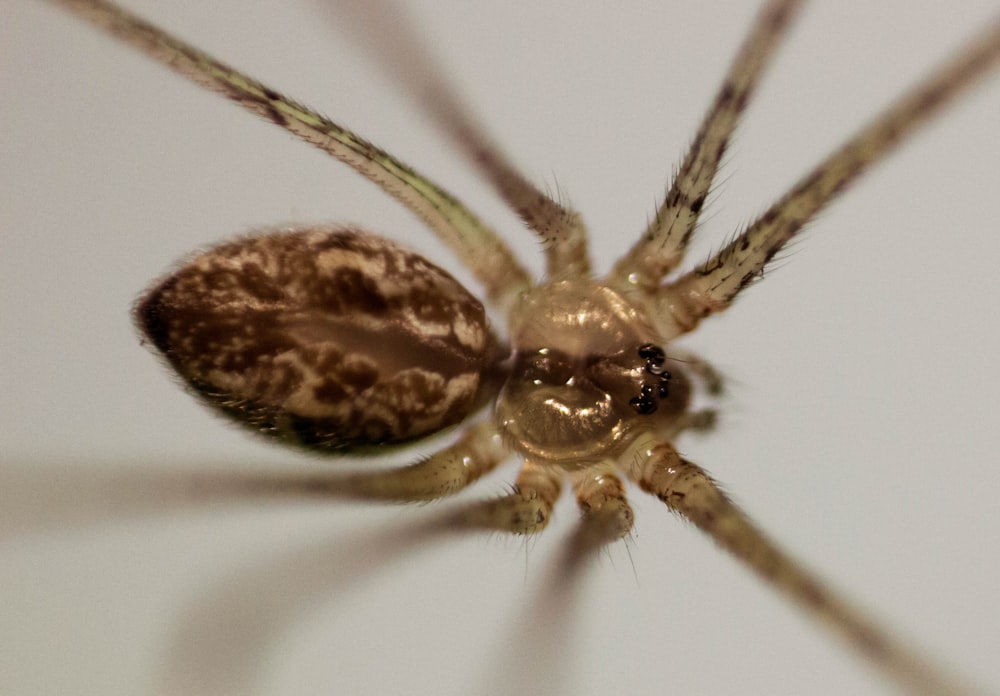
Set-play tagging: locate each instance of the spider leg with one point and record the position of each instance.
(477, 246)
(606, 514)
(526, 510)
(711, 288)
(690, 492)
(662, 245)
(444, 473)
(406, 58)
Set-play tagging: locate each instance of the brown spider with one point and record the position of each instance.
(642, 369)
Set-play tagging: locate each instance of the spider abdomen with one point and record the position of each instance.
(326, 337)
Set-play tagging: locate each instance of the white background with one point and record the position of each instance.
(858, 429)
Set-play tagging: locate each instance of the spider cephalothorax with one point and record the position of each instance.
(588, 375)
(342, 341)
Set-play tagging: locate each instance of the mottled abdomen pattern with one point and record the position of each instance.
(327, 337)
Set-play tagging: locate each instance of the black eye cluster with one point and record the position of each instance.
(651, 391)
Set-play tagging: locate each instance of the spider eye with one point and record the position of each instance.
(636, 377)
(328, 338)
(653, 354)
(659, 388)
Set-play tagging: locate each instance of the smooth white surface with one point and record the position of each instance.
(858, 429)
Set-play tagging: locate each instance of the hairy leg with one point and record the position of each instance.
(526, 510)
(690, 492)
(407, 59)
(711, 288)
(478, 246)
(606, 514)
(444, 473)
(664, 242)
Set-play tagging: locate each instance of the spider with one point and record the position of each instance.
(744, 498)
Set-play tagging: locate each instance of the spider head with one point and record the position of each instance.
(587, 375)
